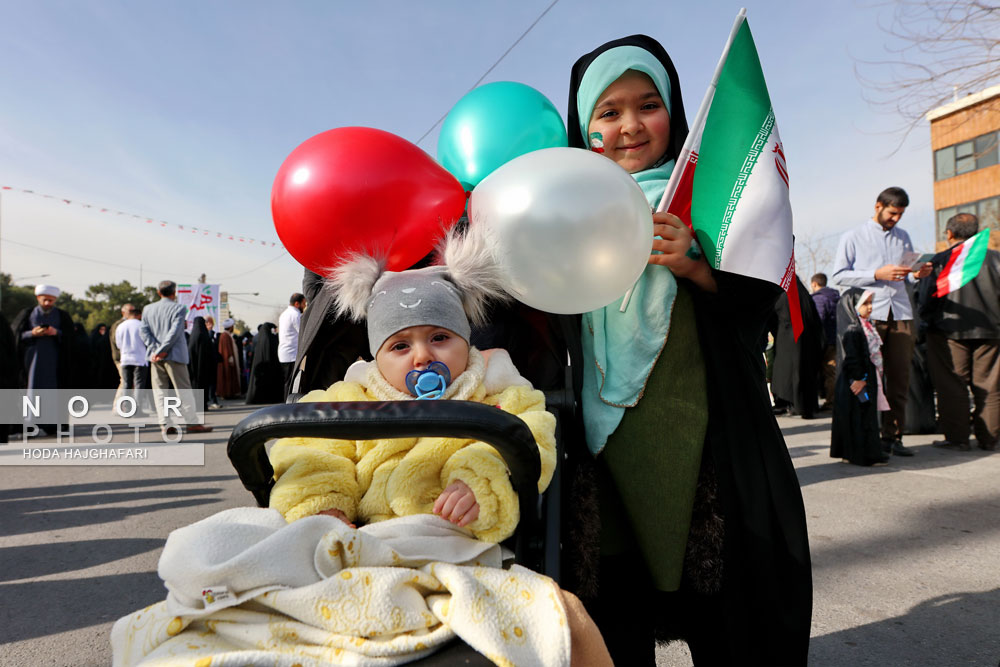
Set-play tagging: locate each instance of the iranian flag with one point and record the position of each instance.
(731, 184)
(964, 263)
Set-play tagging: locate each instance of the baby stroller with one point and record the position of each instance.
(535, 543)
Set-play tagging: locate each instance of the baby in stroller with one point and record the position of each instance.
(418, 331)
(319, 591)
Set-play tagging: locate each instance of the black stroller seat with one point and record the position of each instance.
(536, 540)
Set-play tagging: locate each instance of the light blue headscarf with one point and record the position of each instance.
(620, 349)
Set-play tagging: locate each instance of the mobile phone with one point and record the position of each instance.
(926, 257)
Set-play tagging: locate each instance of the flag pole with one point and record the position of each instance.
(706, 103)
(685, 154)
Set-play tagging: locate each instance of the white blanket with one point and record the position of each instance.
(247, 588)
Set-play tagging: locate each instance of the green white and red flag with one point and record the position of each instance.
(731, 184)
(963, 264)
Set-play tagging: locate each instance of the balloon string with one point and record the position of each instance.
(628, 297)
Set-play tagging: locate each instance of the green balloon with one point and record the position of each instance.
(492, 125)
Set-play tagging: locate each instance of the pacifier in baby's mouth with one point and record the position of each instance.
(429, 383)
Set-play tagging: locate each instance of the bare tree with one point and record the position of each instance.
(814, 254)
(938, 50)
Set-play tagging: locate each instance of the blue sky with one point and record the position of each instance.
(183, 112)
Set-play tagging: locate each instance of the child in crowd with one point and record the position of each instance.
(418, 332)
(859, 395)
(701, 524)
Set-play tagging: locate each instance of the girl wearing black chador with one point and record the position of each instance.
(693, 509)
(859, 396)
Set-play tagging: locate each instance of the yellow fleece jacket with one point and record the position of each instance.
(373, 480)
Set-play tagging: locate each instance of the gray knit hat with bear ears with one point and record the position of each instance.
(453, 296)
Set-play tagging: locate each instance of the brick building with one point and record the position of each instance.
(964, 138)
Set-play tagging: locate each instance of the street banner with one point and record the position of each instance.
(202, 300)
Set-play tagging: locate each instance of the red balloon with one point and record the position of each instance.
(358, 189)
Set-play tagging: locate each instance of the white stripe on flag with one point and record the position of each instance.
(958, 267)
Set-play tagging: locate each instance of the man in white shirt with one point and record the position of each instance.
(134, 367)
(288, 333)
(870, 257)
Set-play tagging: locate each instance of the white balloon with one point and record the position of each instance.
(571, 229)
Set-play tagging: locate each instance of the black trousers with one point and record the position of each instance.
(631, 616)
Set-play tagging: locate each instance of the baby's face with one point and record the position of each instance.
(632, 122)
(413, 348)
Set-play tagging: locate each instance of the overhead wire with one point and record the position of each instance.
(256, 268)
(86, 259)
(254, 303)
(492, 67)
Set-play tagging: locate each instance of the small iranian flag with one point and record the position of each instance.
(732, 184)
(964, 263)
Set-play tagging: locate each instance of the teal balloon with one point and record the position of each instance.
(492, 125)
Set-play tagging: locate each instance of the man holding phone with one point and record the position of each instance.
(871, 256)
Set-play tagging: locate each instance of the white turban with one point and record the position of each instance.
(48, 290)
(228, 322)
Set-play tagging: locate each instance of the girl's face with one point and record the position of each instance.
(632, 121)
(865, 309)
(414, 348)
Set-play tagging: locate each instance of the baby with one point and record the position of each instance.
(418, 331)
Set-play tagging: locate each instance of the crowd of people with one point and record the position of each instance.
(886, 349)
(685, 517)
(151, 348)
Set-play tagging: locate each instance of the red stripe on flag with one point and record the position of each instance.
(680, 205)
(795, 309)
(942, 281)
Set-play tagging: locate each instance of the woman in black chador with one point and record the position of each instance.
(858, 393)
(795, 374)
(202, 358)
(266, 377)
(105, 375)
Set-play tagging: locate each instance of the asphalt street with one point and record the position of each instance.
(905, 557)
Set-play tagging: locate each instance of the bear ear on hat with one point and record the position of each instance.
(474, 271)
(351, 283)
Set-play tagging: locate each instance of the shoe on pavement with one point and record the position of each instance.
(954, 446)
(198, 428)
(899, 450)
(989, 447)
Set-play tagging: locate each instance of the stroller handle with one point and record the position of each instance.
(506, 433)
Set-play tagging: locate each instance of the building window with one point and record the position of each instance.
(987, 210)
(989, 213)
(942, 220)
(967, 156)
(944, 163)
(986, 150)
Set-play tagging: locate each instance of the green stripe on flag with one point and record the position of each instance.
(977, 253)
(739, 122)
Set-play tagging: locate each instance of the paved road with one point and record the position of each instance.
(906, 558)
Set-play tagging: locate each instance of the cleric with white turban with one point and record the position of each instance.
(44, 336)
(47, 290)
